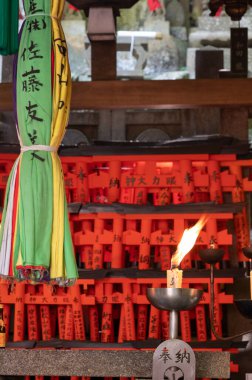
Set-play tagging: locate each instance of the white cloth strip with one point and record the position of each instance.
(18, 135)
(45, 148)
(5, 251)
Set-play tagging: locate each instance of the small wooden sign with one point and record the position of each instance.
(173, 359)
(239, 50)
(208, 63)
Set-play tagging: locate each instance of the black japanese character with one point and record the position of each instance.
(215, 176)
(165, 356)
(81, 175)
(171, 180)
(114, 182)
(32, 84)
(32, 52)
(141, 181)
(33, 136)
(117, 238)
(61, 46)
(155, 180)
(188, 178)
(61, 75)
(172, 239)
(36, 25)
(33, 7)
(180, 356)
(32, 71)
(130, 181)
(35, 155)
(61, 104)
(32, 111)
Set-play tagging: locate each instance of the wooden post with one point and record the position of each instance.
(98, 247)
(87, 251)
(234, 122)
(101, 31)
(19, 313)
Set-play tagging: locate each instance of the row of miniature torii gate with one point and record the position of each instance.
(132, 179)
(99, 304)
(175, 178)
(113, 240)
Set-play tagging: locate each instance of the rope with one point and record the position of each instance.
(41, 14)
(45, 148)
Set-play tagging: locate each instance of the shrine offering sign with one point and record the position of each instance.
(174, 360)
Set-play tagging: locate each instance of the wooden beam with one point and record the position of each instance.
(103, 60)
(152, 94)
(118, 4)
(162, 94)
(6, 97)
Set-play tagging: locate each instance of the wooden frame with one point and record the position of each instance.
(152, 94)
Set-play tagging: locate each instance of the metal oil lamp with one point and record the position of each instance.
(174, 359)
(234, 9)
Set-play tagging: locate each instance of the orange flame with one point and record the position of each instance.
(187, 241)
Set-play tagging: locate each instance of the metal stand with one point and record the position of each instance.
(174, 359)
(212, 256)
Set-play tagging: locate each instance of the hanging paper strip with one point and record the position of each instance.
(8, 27)
(35, 236)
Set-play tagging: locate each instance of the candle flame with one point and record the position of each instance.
(187, 241)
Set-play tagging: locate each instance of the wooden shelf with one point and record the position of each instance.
(152, 94)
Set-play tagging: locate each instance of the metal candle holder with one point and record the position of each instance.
(212, 256)
(245, 306)
(174, 300)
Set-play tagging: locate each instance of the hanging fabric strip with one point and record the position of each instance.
(41, 248)
(8, 27)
